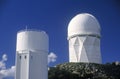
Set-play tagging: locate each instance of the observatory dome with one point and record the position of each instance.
(83, 24)
(32, 40)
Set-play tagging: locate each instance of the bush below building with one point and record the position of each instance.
(85, 71)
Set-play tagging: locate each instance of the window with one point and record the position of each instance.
(31, 57)
(20, 57)
(25, 56)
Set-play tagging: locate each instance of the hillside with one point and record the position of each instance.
(85, 71)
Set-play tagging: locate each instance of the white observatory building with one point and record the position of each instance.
(31, 55)
(84, 39)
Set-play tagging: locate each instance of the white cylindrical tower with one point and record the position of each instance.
(31, 55)
(84, 39)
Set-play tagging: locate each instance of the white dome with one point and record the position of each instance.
(83, 24)
(32, 40)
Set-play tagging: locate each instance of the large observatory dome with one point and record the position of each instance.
(83, 24)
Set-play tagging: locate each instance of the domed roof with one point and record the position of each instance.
(83, 24)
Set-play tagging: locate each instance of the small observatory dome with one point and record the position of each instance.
(32, 40)
(83, 24)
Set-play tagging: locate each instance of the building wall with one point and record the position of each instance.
(18, 65)
(84, 49)
(38, 65)
(22, 66)
(32, 65)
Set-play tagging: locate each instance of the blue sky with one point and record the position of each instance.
(53, 17)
